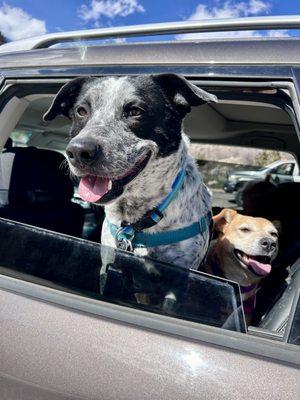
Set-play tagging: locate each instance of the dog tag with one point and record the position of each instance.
(124, 244)
(123, 239)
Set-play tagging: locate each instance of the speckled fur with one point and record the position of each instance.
(192, 201)
(124, 141)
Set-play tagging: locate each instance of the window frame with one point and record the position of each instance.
(295, 312)
(275, 170)
(281, 351)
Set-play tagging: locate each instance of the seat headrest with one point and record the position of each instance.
(284, 200)
(6, 164)
(35, 176)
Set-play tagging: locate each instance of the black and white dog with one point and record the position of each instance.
(128, 150)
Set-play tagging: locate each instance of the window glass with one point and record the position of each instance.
(21, 137)
(284, 169)
(294, 336)
(119, 277)
(227, 169)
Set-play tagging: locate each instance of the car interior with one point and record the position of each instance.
(37, 189)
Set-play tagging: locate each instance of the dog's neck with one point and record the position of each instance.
(148, 189)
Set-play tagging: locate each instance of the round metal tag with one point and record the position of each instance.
(124, 244)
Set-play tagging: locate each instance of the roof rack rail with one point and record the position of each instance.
(211, 25)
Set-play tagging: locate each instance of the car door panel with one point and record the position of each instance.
(69, 353)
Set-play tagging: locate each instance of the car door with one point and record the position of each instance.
(283, 173)
(60, 339)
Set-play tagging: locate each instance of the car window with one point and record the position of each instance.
(226, 169)
(283, 169)
(120, 277)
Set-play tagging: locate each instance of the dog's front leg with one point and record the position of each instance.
(107, 255)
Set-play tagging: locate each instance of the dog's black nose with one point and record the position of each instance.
(83, 152)
(267, 244)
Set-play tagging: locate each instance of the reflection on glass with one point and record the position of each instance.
(119, 277)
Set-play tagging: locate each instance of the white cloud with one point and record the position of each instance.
(231, 9)
(109, 9)
(256, 7)
(119, 40)
(16, 24)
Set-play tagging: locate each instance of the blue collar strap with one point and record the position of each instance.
(152, 217)
(129, 236)
(127, 239)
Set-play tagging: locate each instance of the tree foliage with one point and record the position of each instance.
(265, 157)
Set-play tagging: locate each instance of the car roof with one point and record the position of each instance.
(279, 162)
(257, 50)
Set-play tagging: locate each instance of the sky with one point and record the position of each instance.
(20, 19)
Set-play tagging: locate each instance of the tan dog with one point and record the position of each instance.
(243, 252)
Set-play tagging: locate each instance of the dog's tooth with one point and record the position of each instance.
(109, 185)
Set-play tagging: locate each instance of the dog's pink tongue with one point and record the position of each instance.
(92, 188)
(259, 268)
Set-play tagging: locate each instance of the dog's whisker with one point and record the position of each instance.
(64, 165)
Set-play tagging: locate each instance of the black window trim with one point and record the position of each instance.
(292, 316)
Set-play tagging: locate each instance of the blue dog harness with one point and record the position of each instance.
(129, 236)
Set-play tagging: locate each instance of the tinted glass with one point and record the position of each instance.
(119, 277)
(294, 336)
(284, 169)
(225, 170)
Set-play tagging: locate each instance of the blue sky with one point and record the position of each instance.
(20, 19)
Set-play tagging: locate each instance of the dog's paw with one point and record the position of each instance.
(151, 269)
(169, 302)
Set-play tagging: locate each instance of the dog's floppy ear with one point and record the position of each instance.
(223, 218)
(182, 93)
(277, 225)
(65, 98)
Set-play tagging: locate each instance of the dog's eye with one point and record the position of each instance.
(133, 111)
(274, 234)
(82, 111)
(244, 229)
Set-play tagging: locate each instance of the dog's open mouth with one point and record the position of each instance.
(97, 189)
(259, 265)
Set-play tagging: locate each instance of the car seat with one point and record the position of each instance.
(283, 202)
(277, 318)
(34, 189)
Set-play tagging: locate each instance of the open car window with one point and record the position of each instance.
(258, 122)
(119, 277)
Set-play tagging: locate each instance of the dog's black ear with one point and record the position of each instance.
(65, 98)
(224, 218)
(182, 93)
